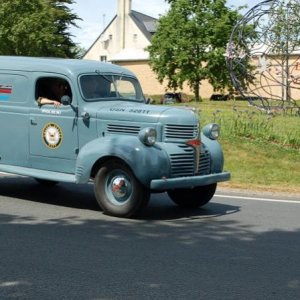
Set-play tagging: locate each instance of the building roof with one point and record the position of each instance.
(145, 23)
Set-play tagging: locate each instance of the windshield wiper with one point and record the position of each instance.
(104, 76)
(111, 81)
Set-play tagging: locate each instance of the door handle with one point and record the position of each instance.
(33, 121)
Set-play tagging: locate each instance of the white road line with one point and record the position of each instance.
(258, 199)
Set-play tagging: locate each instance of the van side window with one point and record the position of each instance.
(50, 90)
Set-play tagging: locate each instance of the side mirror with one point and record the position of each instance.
(65, 100)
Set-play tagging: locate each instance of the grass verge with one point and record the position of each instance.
(261, 166)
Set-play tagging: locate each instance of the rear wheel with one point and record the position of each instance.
(193, 198)
(117, 190)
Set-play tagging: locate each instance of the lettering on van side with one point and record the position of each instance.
(51, 111)
(139, 111)
(117, 109)
(132, 110)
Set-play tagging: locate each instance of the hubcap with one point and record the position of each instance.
(119, 187)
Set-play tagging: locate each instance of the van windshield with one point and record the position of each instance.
(99, 87)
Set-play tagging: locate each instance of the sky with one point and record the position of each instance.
(96, 15)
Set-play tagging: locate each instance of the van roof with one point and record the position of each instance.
(58, 65)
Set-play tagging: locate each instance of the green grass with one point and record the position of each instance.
(262, 152)
(261, 165)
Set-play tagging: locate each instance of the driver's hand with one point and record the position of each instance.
(56, 103)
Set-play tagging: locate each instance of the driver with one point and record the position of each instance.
(57, 90)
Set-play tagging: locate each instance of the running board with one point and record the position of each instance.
(37, 173)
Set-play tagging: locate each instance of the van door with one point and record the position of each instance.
(53, 134)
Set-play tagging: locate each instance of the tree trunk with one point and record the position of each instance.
(197, 92)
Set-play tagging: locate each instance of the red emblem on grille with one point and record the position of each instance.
(194, 143)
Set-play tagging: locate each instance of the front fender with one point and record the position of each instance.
(145, 162)
(217, 157)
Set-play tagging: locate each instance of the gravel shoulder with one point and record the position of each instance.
(259, 191)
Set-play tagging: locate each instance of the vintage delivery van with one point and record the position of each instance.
(104, 132)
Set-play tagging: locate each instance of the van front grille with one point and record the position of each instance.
(183, 164)
(204, 163)
(123, 129)
(180, 132)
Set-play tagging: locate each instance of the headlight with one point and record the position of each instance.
(212, 131)
(148, 136)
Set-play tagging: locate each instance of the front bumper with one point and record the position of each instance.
(188, 181)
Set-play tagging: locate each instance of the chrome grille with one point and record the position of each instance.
(204, 162)
(183, 132)
(124, 129)
(183, 164)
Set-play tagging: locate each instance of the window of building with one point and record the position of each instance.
(103, 58)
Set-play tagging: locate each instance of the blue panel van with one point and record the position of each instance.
(100, 129)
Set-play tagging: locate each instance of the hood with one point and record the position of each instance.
(145, 113)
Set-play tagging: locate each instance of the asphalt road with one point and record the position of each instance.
(56, 244)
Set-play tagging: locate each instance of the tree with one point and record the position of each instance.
(190, 42)
(263, 55)
(284, 32)
(37, 28)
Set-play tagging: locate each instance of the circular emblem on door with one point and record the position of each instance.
(52, 135)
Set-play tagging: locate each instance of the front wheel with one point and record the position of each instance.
(193, 198)
(117, 190)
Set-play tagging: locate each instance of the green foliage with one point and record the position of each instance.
(36, 28)
(284, 27)
(190, 43)
(247, 122)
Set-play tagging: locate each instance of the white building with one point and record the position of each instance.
(123, 42)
